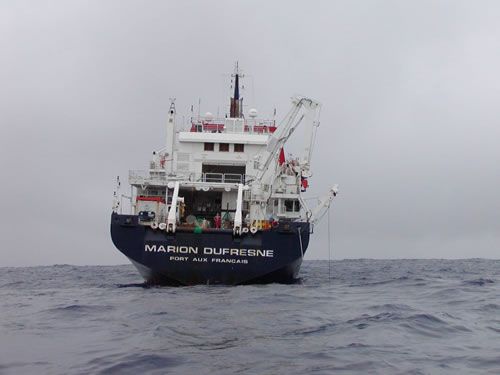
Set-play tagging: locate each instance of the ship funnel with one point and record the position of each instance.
(236, 108)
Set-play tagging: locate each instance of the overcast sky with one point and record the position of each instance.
(410, 125)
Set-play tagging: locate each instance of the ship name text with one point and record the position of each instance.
(208, 251)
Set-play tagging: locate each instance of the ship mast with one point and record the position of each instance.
(236, 108)
(170, 139)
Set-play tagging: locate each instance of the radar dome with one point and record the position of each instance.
(209, 116)
(252, 113)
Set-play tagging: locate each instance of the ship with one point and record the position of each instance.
(221, 203)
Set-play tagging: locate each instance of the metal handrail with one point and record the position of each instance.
(213, 177)
(233, 178)
(223, 177)
(223, 125)
(142, 176)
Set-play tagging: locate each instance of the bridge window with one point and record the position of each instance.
(239, 147)
(208, 147)
(223, 147)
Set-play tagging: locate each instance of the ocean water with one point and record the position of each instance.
(356, 316)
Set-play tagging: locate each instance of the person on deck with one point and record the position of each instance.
(217, 221)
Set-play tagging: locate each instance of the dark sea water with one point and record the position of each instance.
(372, 316)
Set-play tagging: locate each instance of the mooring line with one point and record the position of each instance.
(300, 240)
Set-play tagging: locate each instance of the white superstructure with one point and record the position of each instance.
(230, 172)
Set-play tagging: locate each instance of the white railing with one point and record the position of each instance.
(230, 125)
(232, 178)
(141, 176)
(150, 177)
(138, 174)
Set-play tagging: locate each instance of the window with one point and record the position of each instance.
(239, 147)
(292, 206)
(209, 147)
(223, 147)
(296, 206)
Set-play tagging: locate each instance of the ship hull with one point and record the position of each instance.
(213, 256)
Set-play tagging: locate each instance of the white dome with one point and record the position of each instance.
(252, 113)
(209, 116)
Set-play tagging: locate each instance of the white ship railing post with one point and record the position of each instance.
(238, 216)
(172, 217)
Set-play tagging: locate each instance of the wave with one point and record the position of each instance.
(388, 317)
(132, 363)
(478, 282)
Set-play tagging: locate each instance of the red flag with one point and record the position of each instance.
(281, 159)
(304, 183)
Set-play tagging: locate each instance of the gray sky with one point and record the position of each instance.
(410, 121)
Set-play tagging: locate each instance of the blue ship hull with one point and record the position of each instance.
(213, 256)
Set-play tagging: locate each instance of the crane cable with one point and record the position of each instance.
(329, 248)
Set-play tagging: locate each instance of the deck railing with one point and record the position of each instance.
(232, 178)
(143, 177)
(140, 176)
(229, 125)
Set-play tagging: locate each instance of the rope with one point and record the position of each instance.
(300, 240)
(329, 249)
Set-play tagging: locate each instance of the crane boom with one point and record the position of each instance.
(324, 203)
(286, 129)
(311, 119)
